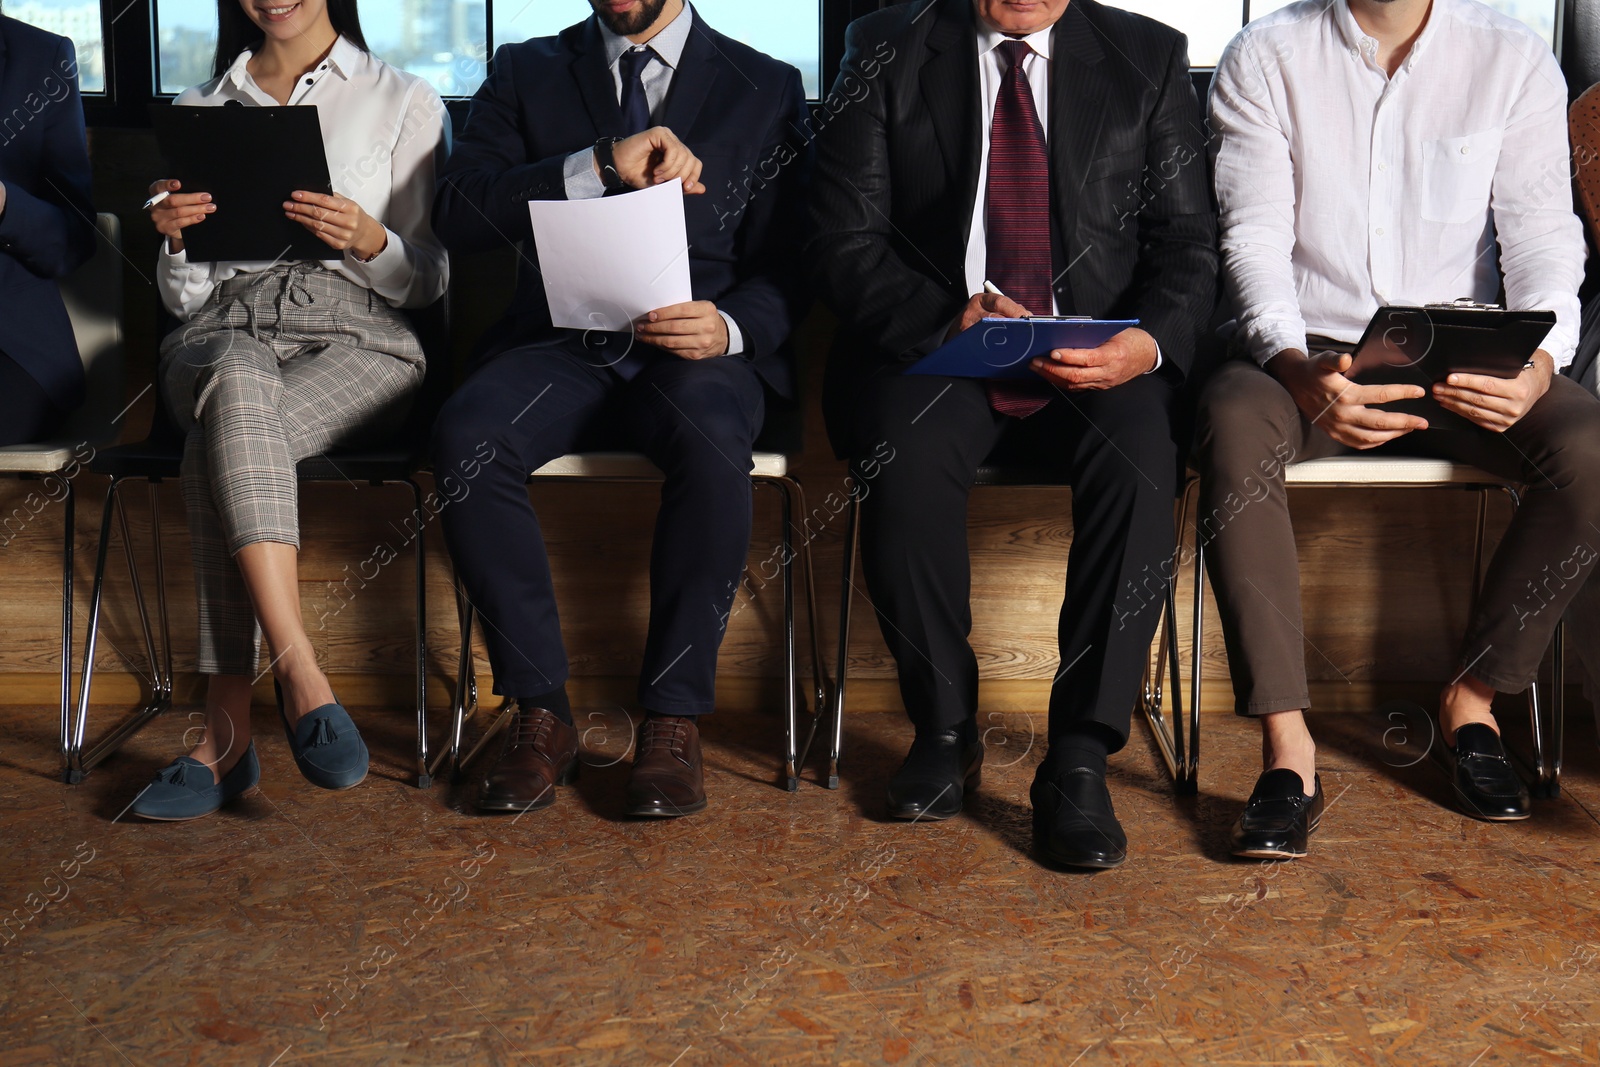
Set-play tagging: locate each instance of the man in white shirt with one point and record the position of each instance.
(1400, 152)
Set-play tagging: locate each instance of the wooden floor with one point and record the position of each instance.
(391, 926)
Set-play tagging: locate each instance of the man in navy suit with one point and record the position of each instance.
(46, 228)
(642, 93)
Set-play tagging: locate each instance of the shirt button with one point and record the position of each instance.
(1383, 166)
(1466, 149)
(308, 81)
(1379, 231)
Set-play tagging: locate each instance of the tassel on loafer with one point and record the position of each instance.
(327, 746)
(187, 789)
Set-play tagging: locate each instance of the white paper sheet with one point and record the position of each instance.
(608, 260)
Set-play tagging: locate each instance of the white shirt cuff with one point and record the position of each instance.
(384, 267)
(1157, 365)
(581, 180)
(735, 338)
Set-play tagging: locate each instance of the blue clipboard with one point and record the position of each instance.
(1001, 348)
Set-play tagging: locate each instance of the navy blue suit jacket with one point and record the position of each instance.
(741, 112)
(47, 227)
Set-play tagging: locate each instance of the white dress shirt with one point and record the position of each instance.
(1342, 189)
(991, 71)
(385, 133)
(582, 181)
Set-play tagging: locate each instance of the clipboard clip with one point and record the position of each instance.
(1463, 303)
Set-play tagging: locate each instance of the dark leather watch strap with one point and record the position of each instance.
(605, 158)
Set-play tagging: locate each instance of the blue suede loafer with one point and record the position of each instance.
(187, 789)
(327, 746)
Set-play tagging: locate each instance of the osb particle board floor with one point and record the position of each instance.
(388, 925)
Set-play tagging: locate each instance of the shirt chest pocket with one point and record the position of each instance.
(1458, 176)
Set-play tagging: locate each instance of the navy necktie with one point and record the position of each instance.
(1017, 217)
(635, 119)
(635, 104)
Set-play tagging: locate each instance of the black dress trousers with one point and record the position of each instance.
(1116, 449)
(696, 420)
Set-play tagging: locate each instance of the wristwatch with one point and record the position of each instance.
(605, 158)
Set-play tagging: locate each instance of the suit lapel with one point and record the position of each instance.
(593, 75)
(698, 70)
(1078, 91)
(949, 80)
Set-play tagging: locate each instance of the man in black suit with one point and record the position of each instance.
(46, 229)
(642, 93)
(1055, 150)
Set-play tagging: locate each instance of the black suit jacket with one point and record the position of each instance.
(47, 228)
(741, 112)
(897, 175)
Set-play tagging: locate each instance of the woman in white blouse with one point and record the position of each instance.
(277, 361)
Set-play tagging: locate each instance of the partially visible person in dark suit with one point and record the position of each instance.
(642, 93)
(46, 229)
(1056, 151)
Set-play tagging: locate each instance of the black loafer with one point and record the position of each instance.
(934, 779)
(1074, 824)
(1278, 818)
(1486, 785)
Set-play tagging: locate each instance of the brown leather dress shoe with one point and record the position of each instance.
(666, 779)
(539, 753)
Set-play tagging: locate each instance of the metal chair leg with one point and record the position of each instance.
(420, 637)
(796, 752)
(66, 619)
(79, 762)
(841, 667)
(1547, 728)
(1178, 741)
(466, 697)
(791, 683)
(1197, 661)
(819, 675)
(466, 670)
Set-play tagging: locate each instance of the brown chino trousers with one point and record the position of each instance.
(1249, 429)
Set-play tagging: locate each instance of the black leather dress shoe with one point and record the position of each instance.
(1074, 824)
(1278, 818)
(1486, 785)
(935, 777)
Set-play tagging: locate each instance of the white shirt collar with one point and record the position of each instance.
(990, 38)
(668, 44)
(1357, 38)
(343, 58)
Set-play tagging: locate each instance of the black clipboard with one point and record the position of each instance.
(1423, 345)
(250, 159)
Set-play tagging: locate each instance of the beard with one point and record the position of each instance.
(629, 23)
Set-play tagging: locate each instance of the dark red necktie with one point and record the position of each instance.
(1017, 217)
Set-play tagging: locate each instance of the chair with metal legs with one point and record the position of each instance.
(1180, 757)
(1397, 472)
(93, 295)
(770, 469)
(157, 459)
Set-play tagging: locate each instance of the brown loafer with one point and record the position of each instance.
(666, 779)
(539, 753)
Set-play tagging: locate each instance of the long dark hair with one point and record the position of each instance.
(235, 31)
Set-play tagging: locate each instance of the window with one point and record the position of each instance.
(445, 41)
(79, 20)
(1211, 24)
